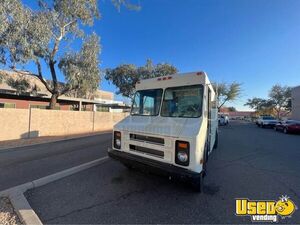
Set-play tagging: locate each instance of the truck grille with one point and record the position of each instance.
(148, 151)
(149, 139)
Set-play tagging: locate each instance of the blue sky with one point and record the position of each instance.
(254, 42)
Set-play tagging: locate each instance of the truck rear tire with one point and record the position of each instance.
(205, 154)
(216, 141)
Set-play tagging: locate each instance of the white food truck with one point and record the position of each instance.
(172, 127)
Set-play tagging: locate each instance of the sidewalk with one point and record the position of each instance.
(45, 139)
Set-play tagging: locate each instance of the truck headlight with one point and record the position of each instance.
(182, 157)
(182, 152)
(117, 139)
(118, 142)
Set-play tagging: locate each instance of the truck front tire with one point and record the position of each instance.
(198, 183)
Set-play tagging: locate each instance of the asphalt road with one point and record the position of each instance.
(250, 162)
(24, 164)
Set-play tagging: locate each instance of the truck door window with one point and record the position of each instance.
(147, 102)
(183, 101)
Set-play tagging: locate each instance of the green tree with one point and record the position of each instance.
(1, 78)
(260, 105)
(255, 103)
(281, 96)
(21, 85)
(45, 35)
(125, 76)
(81, 69)
(279, 100)
(227, 92)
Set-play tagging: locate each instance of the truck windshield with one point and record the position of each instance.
(147, 102)
(183, 101)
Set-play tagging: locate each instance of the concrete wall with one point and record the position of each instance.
(22, 123)
(14, 123)
(296, 103)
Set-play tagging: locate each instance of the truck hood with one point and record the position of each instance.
(166, 126)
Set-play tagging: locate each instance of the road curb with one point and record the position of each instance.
(20, 203)
(24, 210)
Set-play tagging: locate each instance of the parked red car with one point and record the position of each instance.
(288, 126)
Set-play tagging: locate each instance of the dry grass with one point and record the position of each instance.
(7, 213)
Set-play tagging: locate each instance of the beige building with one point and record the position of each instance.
(106, 102)
(296, 103)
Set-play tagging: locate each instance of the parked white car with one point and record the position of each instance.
(223, 119)
(266, 121)
(172, 128)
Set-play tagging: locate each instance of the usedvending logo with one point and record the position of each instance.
(265, 210)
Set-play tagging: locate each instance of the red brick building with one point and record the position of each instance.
(237, 114)
(241, 114)
(27, 102)
(9, 98)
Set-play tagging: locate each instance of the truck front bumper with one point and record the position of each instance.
(154, 166)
